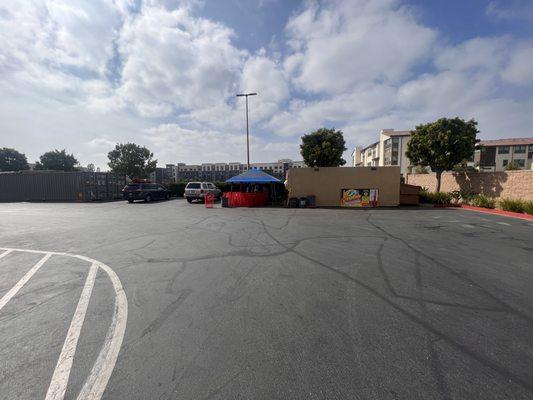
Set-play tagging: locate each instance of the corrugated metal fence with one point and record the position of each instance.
(60, 186)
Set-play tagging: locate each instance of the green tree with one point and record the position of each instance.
(323, 148)
(12, 160)
(90, 167)
(442, 144)
(57, 160)
(132, 160)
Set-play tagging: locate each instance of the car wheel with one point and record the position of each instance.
(189, 200)
(148, 198)
(130, 201)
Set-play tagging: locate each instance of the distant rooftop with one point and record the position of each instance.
(392, 132)
(370, 145)
(507, 142)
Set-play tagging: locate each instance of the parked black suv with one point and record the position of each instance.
(145, 191)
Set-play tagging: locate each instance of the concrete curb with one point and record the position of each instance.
(527, 217)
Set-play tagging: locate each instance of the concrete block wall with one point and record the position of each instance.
(509, 184)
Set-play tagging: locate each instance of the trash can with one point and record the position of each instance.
(293, 202)
(303, 202)
(225, 202)
(311, 201)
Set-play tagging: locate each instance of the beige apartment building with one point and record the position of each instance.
(388, 151)
(492, 156)
(496, 155)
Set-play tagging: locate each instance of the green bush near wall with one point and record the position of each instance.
(442, 198)
(515, 205)
(479, 200)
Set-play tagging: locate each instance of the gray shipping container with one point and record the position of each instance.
(60, 186)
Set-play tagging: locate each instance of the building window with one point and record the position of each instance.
(503, 149)
(521, 163)
(505, 162)
(519, 149)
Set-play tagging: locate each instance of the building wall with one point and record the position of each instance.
(403, 159)
(509, 184)
(326, 183)
(512, 156)
(356, 156)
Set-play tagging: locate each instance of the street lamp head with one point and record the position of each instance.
(246, 94)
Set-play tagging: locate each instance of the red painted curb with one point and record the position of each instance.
(527, 217)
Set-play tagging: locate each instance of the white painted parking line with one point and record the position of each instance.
(5, 253)
(503, 223)
(13, 291)
(94, 386)
(58, 384)
(96, 382)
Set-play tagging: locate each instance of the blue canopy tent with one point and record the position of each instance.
(253, 176)
(253, 196)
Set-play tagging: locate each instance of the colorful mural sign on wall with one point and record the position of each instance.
(359, 197)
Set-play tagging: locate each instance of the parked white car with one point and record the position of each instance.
(198, 190)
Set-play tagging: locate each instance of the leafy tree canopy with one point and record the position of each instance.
(132, 160)
(12, 160)
(323, 148)
(57, 160)
(442, 144)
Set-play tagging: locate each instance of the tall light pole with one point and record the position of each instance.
(247, 132)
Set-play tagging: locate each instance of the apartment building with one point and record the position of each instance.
(218, 172)
(496, 155)
(388, 151)
(493, 155)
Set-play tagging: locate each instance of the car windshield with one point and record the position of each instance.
(193, 186)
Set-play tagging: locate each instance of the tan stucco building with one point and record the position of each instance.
(327, 183)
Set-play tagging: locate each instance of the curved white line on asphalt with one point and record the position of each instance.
(13, 291)
(5, 253)
(58, 384)
(96, 382)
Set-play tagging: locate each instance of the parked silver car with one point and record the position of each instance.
(197, 191)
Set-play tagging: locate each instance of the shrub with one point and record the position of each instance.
(512, 166)
(513, 205)
(442, 198)
(435, 197)
(480, 200)
(528, 207)
(425, 195)
(456, 197)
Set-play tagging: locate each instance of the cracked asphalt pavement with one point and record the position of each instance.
(267, 303)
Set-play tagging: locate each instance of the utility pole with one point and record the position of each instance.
(247, 131)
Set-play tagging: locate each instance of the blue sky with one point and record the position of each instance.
(86, 74)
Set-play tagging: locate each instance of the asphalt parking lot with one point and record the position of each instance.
(170, 300)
